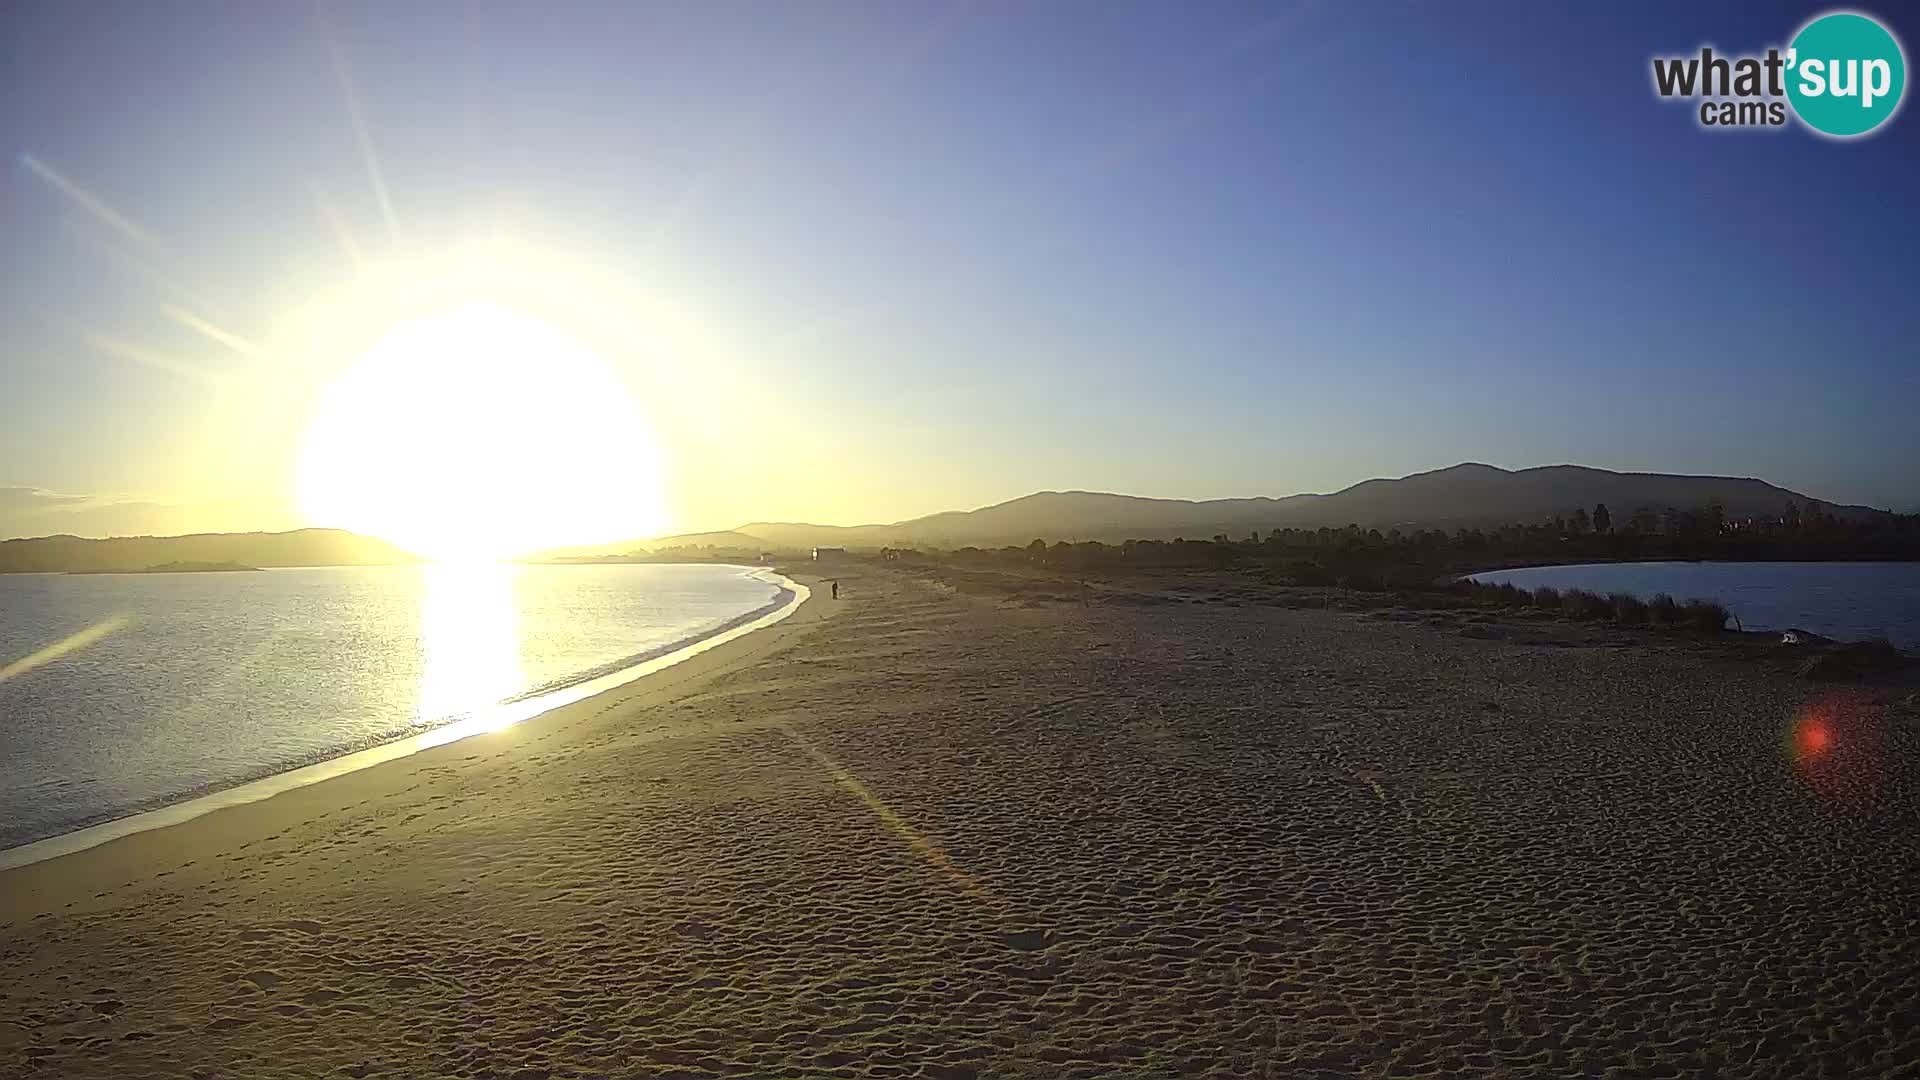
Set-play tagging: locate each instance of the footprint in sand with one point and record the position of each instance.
(1027, 940)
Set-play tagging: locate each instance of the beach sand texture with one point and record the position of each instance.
(921, 834)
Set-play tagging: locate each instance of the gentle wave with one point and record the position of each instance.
(223, 680)
(608, 668)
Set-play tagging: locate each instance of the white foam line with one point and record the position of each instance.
(495, 719)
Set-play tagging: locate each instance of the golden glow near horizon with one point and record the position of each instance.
(477, 432)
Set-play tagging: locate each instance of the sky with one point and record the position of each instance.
(863, 262)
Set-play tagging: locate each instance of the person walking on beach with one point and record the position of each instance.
(836, 590)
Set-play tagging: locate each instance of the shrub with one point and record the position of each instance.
(1409, 578)
(1662, 610)
(1581, 604)
(1546, 597)
(1362, 581)
(1307, 573)
(1505, 594)
(1627, 608)
(1707, 615)
(1853, 660)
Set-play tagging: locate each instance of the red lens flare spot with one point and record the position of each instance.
(1814, 732)
(1814, 737)
(1834, 745)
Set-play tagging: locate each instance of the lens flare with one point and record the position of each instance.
(1834, 746)
(1812, 736)
(71, 643)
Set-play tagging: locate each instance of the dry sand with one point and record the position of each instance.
(917, 833)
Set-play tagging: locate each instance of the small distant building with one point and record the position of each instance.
(829, 554)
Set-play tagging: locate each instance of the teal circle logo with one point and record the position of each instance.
(1845, 74)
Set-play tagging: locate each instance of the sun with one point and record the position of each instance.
(478, 433)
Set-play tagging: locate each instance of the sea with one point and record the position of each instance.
(1849, 601)
(142, 690)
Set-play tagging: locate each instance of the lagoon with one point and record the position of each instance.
(1845, 600)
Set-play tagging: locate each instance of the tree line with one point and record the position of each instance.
(1370, 558)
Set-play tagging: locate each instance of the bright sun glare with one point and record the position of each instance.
(479, 433)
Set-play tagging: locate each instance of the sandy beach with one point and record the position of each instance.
(921, 832)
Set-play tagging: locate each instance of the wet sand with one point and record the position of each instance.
(923, 833)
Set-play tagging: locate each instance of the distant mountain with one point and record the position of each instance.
(303, 547)
(1463, 496)
(1473, 494)
(730, 541)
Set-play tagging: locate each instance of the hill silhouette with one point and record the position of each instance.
(1468, 495)
(302, 547)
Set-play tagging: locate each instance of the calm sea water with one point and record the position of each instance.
(208, 680)
(1847, 600)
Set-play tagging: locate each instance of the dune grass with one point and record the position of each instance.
(1587, 606)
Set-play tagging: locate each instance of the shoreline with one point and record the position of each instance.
(964, 833)
(514, 711)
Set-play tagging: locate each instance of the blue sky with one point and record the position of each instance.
(942, 255)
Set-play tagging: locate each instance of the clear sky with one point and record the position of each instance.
(861, 262)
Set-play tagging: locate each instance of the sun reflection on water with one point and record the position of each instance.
(470, 635)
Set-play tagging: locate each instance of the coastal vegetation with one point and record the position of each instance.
(1419, 559)
(1426, 570)
(182, 567)
(204, 551)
